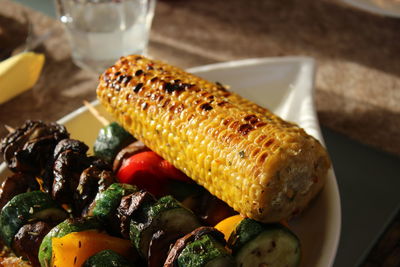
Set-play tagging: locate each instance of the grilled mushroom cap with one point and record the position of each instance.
(70, 144)
(130, 150)
(67, 170)
(16, 184)
(29, 147)
(92, 181)
(28, 239)
(130, 207)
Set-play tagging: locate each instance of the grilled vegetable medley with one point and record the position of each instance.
(125, 206)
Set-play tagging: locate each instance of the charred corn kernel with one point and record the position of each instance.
(262, 166)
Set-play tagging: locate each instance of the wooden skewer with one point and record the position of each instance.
(9, 128)
(96, 114)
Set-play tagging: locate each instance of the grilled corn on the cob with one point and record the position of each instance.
(265, 168)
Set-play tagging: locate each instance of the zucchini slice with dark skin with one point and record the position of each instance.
(27, 240)
(167, 215)
(110, 140)
(107, 258)
(107, 202)
(28, 207)
(159, 246)
(257, 244)
(202, 247)
(66, 227)
(205, 251)
(133, 206)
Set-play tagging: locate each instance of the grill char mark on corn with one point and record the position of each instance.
(262, 166)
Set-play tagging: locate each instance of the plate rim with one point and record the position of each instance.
(372, 8)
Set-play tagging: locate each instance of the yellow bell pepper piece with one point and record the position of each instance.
(228, 225)
(75, 248)
(19, 73)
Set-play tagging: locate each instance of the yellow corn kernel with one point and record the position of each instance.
(271, 168)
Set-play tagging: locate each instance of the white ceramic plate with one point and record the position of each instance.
(284, 85)
(390, 8)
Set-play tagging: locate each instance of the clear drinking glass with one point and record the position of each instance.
(101, 31)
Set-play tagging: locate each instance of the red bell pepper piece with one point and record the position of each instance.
(149, 171)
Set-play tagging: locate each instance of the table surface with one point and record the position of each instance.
(357, 90)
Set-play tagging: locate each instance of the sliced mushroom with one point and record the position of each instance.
(29, 147)
(70, 144)
(208, 207)
(28, 239)
(181, 243)
(130, 207)
(92, 181)
(130, 150)
(99, 163)
(159, 246)
(67, 171)
(16, 184)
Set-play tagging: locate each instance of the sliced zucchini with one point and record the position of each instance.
(166, 215)
(204, 246)
(111, 139)
(205, 251)
(133, 207)
(107, 202)
(107, 258)
(28, 207)
(62, 229)
(257, 244)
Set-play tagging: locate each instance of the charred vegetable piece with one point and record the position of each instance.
(255, 244)
(27, 207)
(16, 184)
(75, 248)
(67, 170)
(143, 170)
(107, 202)
(228, 225)
(107, 258)
(206, 252)
(133, 206)
(208, 207)
(28, 238)
(93, 180)
(111, 139)
(128, 151)
(62, 229)
(158, 248)
(70, 144)
(30, 146)
(166, 215)
(149, 171)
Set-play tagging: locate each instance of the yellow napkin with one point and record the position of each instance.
(19, 73)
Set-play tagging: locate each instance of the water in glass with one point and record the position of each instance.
(102, 31)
